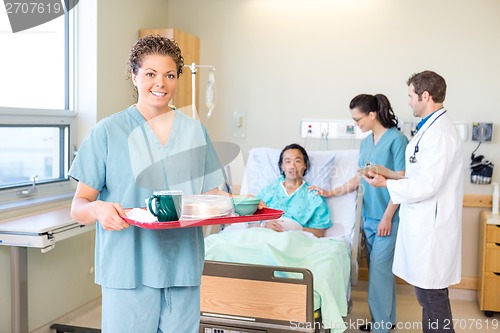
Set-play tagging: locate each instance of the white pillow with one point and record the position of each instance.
(260, 170)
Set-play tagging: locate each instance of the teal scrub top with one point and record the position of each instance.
(307, 208)
(389, 152)
(123, 159)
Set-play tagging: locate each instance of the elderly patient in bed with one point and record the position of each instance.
(304, 210)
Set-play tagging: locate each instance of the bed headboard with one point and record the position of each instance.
(328, 170)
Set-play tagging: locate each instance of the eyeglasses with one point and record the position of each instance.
(358, 119)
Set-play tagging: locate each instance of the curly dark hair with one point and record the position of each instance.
(154, 44)
(302, 151)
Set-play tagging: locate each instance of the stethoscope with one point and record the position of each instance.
(413, 158)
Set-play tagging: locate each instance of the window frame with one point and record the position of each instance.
(51, 190)
(57, 189)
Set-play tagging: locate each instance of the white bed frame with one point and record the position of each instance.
(251, 298)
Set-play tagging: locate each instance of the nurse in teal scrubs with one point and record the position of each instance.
(149, 278)
(384, 146)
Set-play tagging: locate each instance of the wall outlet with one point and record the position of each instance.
(310, 129)
(239, 124)
(327, 129)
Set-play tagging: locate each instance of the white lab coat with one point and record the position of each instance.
(428, 246)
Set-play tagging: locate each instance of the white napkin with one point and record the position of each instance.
(141, 215)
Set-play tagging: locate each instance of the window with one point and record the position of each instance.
(33, 154)
(37, 65)
(37, 120)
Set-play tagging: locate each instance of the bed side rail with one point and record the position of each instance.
(357, 236)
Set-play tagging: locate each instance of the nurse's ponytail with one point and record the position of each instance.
(385, 113)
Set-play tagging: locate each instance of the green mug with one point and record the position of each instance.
(165, 205)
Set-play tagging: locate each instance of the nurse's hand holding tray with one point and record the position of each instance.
(380, 170)
(165, 205)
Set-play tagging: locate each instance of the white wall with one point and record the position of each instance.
(281, 61)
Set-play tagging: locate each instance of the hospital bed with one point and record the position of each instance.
(255, 296)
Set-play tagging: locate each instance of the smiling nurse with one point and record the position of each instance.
(149, 278)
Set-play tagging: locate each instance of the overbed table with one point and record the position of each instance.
(40, 230)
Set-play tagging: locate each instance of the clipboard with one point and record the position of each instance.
(380, 170)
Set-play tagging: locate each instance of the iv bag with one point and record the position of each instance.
(210, 93)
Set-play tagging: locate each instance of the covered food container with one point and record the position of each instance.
(206, 206)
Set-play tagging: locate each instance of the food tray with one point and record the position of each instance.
(260, 215)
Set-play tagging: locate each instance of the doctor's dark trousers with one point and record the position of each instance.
(436, 310)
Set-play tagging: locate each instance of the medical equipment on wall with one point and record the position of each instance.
(481, 170)
(210, 92)
(482, 132)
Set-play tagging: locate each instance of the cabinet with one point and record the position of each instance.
(489, 264)
(190, 48)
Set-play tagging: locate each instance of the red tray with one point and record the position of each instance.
(260, 215)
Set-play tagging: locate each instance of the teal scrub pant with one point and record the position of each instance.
(151, 310)
(381, 280)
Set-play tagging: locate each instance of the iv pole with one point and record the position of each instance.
(194, 69)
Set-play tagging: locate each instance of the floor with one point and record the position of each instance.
(467, 316)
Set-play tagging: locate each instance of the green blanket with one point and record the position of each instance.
(327, 259)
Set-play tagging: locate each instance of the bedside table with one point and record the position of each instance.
(488, 292)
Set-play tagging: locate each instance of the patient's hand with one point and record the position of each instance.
(283, 224)
(274, 225)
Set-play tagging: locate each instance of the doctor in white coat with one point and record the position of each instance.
(428, 246)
